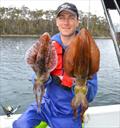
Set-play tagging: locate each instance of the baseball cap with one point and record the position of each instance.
(67, 7)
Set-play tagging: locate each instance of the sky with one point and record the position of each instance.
(93, 6)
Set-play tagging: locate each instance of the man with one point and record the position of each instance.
(56, 107)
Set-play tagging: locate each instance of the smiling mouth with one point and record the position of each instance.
(66, 28)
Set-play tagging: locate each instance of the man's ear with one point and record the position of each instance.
(56, 22)
(78, 23)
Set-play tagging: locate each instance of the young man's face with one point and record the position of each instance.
(67, 23)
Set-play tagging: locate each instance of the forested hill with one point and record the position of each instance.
(23, 21)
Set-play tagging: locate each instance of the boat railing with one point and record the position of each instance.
(113, 4)
(117, 6)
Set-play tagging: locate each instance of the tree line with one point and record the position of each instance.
(24, 21)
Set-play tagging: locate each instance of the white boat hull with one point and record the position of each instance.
(103, 117)
(95, 117)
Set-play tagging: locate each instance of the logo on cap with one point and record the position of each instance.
(65, 6)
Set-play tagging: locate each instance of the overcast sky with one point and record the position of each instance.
(94, 6)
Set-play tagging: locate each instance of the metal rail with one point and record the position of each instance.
(117, 6)
(113, 34)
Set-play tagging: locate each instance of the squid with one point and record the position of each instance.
(42, 58)
(81, 60)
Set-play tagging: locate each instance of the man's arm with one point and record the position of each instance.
(92, 88)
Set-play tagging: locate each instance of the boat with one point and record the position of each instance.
(107, 116)
(95, 117)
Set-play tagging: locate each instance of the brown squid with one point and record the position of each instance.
(81, 60)
(42, 57)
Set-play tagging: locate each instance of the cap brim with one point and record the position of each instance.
(67, 10)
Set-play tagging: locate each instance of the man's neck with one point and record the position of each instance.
(67, 39)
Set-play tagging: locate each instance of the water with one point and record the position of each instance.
(15, 87)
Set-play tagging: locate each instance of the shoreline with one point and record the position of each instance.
(36, 36)
(12, 35)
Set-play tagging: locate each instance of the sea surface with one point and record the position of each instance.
(15, 74)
